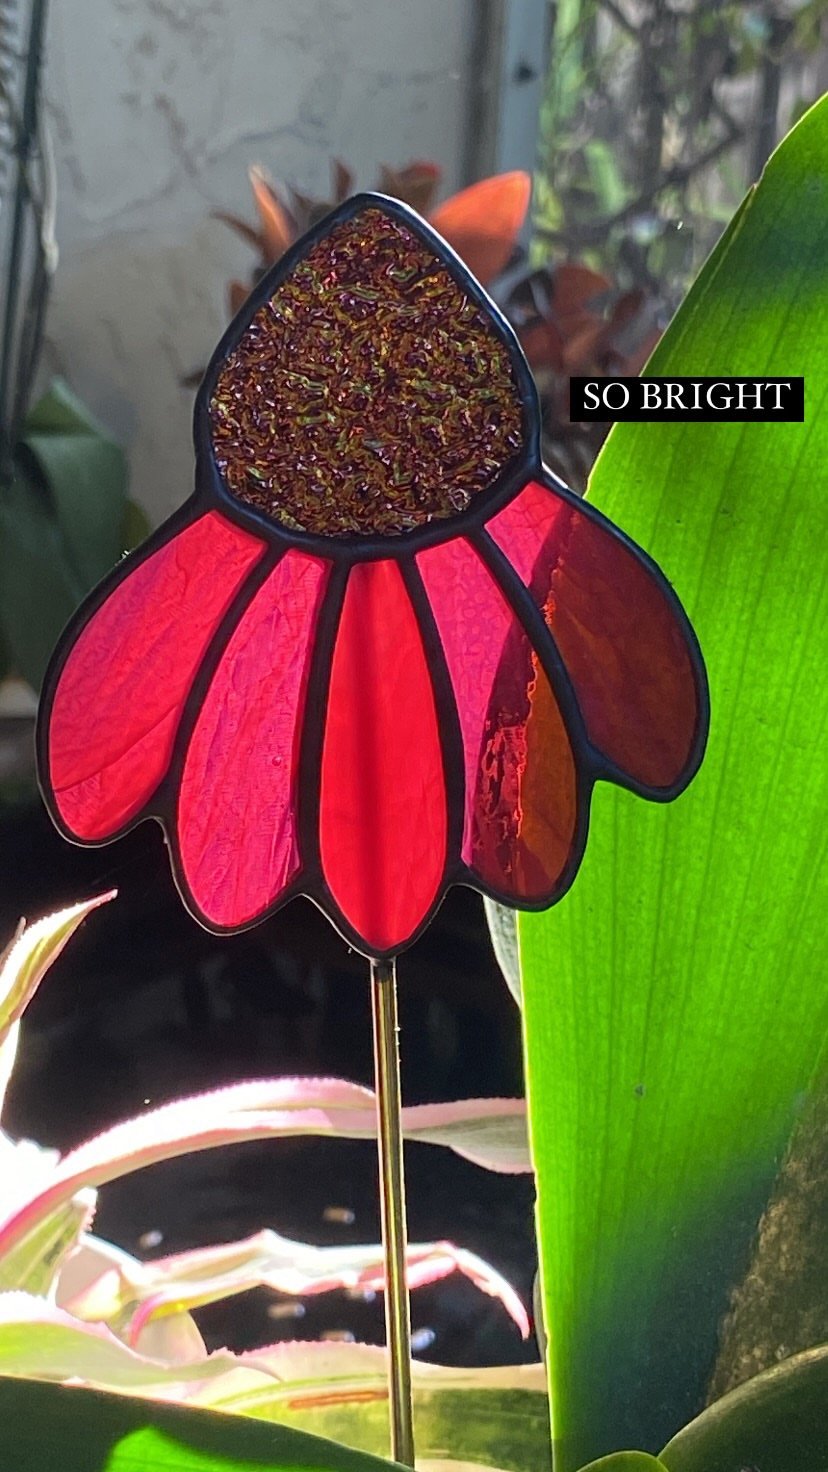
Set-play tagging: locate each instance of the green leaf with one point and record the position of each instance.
(32, 950)
(85, 473)
(40, 1341)
(674, 1002)
(777, 1422)
(39, 589)
(492, 1418)
(59, 411)
(495, 1417)
(626, 1462)
(605, 176)
(35, 1263)
(45, 1426)
(135, 525)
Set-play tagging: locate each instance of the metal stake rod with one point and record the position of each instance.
(392, 1205)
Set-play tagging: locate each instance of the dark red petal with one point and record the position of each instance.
(237, 819)
(119, 695)
(521, 784)
(618, 632)
(383, 804)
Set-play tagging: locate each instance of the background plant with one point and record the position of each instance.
(65, 517)
(657, 115)
(73, 1306)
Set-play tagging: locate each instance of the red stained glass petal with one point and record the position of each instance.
(623, 645)
(237, 819)
(521, 784)
(383, 805)
(119, 696)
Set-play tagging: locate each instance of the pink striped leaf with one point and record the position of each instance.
(490, 1132)
(137, 1293)
(39, 1341)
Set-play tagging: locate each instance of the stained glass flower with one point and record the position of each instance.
(380, 650)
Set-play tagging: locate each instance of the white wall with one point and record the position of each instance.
(156, 109)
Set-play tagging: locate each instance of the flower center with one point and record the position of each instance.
(370, 394)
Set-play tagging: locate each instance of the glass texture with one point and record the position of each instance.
(120, 695)
(383, 802)
(370, 395)
(521, 789)
(624, 648)
(237, 810)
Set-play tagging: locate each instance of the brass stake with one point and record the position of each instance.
(392, 1207)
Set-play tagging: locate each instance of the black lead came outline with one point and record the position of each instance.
(341, 554)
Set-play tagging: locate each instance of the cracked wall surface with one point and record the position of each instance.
(156, 109)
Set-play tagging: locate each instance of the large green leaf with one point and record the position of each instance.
(777, 1422)
(674, 1002)
(45, 1426)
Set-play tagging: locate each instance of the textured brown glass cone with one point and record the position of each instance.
(369, 394)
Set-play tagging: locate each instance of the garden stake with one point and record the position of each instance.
(373, 545)
(392, 1207)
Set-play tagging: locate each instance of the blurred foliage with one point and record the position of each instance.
(65, 519)
(574, 321)
(482, 223)
(64, 513)
(658, 114)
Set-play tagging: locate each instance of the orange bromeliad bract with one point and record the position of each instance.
(380, 650)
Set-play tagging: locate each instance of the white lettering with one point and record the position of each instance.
(724, 402)
(749, 391)
(777, 388)
(624, 402)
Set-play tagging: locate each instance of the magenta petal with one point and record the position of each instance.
(237, 811)
(119, 696)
